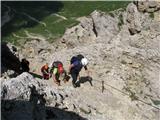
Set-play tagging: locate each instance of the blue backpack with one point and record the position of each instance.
(79, 66)
(77, 58)
(73, 59)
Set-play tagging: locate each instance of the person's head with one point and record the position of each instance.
(84, 61)
(46, 66)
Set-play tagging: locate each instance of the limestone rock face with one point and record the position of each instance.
(104, 25)
(90, 30)
(124, 60)
(80, 34)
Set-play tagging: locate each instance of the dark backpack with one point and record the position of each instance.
(79, 66)
(73, 59)
(56, 64)
(77, 58)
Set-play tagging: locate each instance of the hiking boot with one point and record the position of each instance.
(65, 81)
(74, 85)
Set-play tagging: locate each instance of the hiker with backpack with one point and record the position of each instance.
(45, 71)
(76, 64)
(57, 71)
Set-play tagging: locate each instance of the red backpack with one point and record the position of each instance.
(59, 65)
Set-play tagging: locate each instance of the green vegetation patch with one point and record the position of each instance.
(156, 102)
(151, 15)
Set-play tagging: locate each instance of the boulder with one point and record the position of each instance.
(148, 6)
(133, 19)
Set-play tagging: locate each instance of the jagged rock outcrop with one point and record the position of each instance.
(91, 30)
(124, 59)
(79, 34)
(32, 99)
(134, 19)
(148, 6)
(104, 25)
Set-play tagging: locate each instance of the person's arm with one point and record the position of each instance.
(86, 69)
(55, 70)
(45, 71)
(54, 78)
(50, 72)
(69, 70)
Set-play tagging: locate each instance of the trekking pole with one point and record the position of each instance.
(102, 86)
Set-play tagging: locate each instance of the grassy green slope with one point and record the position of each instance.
(44, 12)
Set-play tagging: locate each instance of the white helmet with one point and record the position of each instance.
(84, 61)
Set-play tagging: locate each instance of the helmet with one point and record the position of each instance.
(84, 61)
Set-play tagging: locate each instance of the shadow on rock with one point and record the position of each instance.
(36, 75)
(9, 60)
(83, 80)
(34, 109)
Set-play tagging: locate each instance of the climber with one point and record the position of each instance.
(24, 65)
(58, 71)
(76, 64)
(45, 71)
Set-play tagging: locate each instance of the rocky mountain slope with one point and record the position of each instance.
(124, 60)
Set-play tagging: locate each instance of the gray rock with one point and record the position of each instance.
(85, 109)
(105, 25)
(148, 6)
(133, 19)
